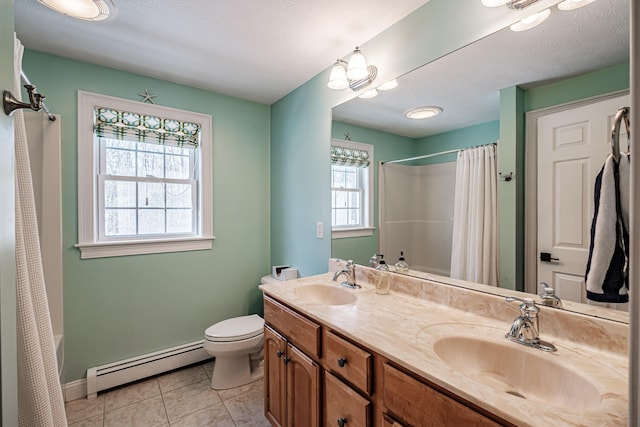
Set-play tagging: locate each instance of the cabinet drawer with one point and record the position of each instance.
(343, 405)
(349, 361)
(418, 404)
(301, 331)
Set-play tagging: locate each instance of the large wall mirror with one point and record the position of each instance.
(573, 56)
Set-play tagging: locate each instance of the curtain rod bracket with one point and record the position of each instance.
(11, 103)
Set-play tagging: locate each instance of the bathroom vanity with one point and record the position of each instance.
(432, 354)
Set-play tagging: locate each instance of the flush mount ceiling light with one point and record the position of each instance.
(573, 4)
(423, 112)
(356, 75)
(88, 10)
(531, 21)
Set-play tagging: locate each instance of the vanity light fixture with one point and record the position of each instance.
(371, 93)
(573, 4)
(391, 84)
(356, 75)
(87, 10)
(512, 4)
(423, 112)
(531, 21)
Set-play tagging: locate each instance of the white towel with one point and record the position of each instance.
(607, 268)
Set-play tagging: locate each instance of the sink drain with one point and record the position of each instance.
(516, 394)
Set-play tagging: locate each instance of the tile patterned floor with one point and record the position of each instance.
(181, 398)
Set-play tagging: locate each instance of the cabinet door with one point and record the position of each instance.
(303, 389)
(275, 347)
(344, 406)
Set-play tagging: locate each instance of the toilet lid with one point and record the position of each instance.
(236, 329)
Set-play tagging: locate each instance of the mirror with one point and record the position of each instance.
(466, 84)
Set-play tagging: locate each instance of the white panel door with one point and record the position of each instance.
(572, 146)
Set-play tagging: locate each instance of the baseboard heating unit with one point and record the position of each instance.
(125, 371)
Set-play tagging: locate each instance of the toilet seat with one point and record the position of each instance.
(236, 329)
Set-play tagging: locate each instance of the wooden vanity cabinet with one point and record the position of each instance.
(314, 376)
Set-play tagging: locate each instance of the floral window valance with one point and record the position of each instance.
(124, 124)
(349, 157)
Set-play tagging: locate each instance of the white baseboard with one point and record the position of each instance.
(74, 390)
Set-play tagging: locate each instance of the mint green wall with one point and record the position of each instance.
(480, 134)
(301, 121)
(511, 193)
(120, 307)
(392, 147)
(610, 79)
(8, 348)
(386, 146)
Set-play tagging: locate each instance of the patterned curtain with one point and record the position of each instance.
(121, 124)
(349, 157)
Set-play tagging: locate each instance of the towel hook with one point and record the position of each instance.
(621, 114)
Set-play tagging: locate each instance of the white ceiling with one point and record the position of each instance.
(255, 50)
(467, 83)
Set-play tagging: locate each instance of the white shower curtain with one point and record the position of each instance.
(474, 252)
(40, 401)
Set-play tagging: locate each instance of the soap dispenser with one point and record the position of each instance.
(549, 298)
(383, 285)
(401, 265)
(373, 261)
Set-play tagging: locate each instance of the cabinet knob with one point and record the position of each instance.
(286, 360)
(342, 421)
(279, 353)
(342, 361)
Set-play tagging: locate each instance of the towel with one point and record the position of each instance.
(607, 276)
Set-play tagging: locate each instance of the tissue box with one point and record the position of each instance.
(284, 272)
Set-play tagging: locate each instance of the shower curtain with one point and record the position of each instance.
(474, 252)
(40, 401)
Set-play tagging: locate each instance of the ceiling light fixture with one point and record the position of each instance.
(87, 10)
(531, 21)
(573, 4)
(423, 112)
(356, 75)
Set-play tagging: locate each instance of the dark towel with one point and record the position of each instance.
(607, 275)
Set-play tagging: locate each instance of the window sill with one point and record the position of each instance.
(133, 247)
(345, 233)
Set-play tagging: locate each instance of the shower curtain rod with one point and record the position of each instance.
(426, 156)
(44, 106)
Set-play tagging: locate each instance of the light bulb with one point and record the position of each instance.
(338, 77)
(357, 67)
(531, 21)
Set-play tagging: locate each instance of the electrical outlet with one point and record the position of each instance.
(320, 230)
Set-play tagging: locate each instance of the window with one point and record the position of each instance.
(351, 189)
(144, 178)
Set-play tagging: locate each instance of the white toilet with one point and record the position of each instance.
(237, 344)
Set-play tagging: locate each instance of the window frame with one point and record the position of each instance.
(367, 189)
(88, 174)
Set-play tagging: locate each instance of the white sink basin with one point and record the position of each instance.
(325, 294)
(519, 371)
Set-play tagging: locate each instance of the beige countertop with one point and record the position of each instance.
(404, 329)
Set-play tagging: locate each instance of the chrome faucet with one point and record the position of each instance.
(525, 329)
(350, 273)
